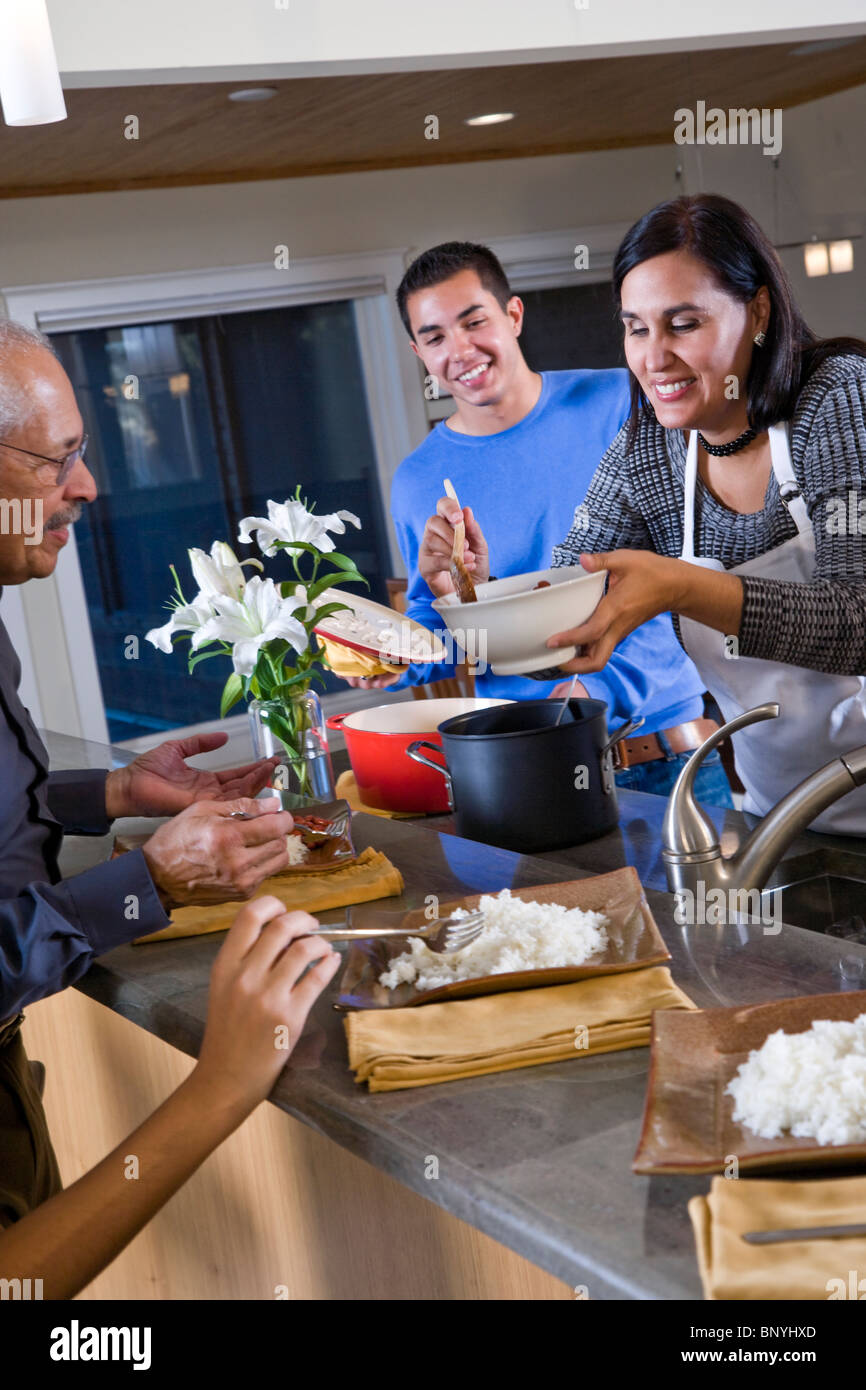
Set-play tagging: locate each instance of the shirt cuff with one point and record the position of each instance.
(550, 673)
(116, 902)
(77, 800)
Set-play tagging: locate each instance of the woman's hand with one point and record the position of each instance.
(434, 554)
(641, 585)
(259, 1001)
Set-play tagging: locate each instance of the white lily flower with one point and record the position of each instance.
(188, 617)
(219, 573)
(291, 521)
(247, 623)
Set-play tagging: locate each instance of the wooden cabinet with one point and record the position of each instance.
(278, 1212)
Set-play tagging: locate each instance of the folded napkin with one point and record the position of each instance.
(396, 1048)
(347, 789)
(371, 876)
(345, 662)
(732, 1269)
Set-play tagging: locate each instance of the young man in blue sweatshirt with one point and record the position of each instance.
(521, 450)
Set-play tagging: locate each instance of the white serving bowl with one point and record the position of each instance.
(509, 625)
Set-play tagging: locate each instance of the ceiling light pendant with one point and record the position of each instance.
(253, 94)
(30, 89)
(495, 118)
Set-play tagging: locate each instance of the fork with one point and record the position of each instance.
(442, 938)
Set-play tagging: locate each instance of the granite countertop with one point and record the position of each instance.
(538, 1159)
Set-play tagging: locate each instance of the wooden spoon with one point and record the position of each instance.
(460, 576)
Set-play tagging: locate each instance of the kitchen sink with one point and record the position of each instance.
(824, 891)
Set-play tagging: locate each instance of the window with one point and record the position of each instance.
(571, 326)
(194, 424)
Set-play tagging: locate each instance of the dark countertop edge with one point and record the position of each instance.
(503, 1219)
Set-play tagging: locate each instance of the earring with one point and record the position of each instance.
(759, 339)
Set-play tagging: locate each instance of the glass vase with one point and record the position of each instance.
(294, 727)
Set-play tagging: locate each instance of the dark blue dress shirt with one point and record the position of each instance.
(51, 930)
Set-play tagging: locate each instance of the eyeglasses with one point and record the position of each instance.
(59, 469)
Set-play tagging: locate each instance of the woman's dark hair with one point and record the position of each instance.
(731, 244)
(442, 262)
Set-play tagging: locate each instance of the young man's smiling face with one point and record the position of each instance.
(466, 339)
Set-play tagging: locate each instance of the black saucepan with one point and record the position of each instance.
(518, 780)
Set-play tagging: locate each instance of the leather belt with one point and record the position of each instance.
(645, 748)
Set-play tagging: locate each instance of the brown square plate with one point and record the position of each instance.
(688, 1124)
(634, 941)
(335, 852)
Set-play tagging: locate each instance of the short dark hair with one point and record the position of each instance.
(742, 258)
(443, 262)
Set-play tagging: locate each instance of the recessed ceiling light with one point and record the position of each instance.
(495, 118)
(804, 50)
(253, 94)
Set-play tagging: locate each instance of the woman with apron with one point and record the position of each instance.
(734, 495)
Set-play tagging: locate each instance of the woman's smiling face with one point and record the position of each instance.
(690, 343)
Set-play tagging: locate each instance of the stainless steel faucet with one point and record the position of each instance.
(691, 849)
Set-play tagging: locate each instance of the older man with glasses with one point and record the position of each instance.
(51, 929)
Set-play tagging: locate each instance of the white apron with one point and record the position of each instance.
(821, 716)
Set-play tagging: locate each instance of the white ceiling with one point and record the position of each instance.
(115, 42)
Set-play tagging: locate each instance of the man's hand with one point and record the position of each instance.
(577, 692)
(159, 783)
(434, 555)
(205, 856)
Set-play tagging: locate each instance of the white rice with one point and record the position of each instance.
(518, 935)
(385, 636)
(298, 851)
(811, 1085)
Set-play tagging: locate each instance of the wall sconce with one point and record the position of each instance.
(816, 258)
(835, 259)
(30, 89)
(841, 256)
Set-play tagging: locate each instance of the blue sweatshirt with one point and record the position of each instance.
(523, 485)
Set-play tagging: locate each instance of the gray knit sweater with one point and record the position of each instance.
(635, 501)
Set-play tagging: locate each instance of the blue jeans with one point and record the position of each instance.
(711, 784)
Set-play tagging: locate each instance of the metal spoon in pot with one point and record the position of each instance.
(565, 701)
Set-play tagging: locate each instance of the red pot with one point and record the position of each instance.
(377, 739)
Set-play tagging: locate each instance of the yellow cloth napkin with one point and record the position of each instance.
(345, 662)
(371, 876)
(397, 1048)
(732, 1269)
(347, 788)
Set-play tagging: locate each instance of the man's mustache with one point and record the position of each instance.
(66, 517)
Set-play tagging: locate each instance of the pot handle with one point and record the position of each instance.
(335, 721)
(631, 726)
(607, 764)
(412, 752)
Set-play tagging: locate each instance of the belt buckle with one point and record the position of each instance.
(620, 763)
